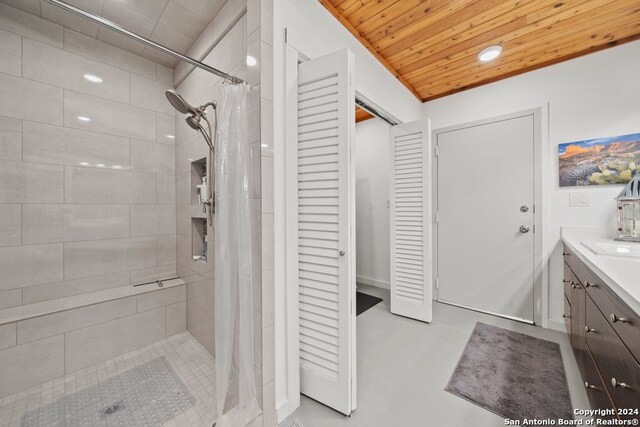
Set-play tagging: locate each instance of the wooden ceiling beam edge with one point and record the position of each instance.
(327, 4)
(538, 66)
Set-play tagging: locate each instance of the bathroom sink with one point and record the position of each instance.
(613, 248)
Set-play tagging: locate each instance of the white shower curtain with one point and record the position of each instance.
(235, 382)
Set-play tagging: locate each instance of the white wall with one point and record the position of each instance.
(588, 97)
(314, 32)
(372, 195)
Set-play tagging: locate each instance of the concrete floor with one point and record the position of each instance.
(404, 366)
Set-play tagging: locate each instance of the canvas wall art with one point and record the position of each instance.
(601, 161)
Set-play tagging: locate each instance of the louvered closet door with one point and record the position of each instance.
(326, 235)
(410, 196)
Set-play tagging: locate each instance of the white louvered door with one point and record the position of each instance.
(326, 230)
(410, 197)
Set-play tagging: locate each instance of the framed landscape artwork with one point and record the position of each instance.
(601, 161)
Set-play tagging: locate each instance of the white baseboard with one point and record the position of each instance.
(373, 282)
(556, 325)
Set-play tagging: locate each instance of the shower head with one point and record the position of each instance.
(179, 103)
(193, 122)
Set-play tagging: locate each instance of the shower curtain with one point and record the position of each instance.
(235, 382)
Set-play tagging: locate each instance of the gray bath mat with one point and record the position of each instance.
(148, 395)
(513, 375)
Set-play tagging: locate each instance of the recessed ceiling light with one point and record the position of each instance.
(251, 61)
(490, 53)
(100, 165)
(84, 164)
(92, 78)
(116, 167)
(84, 119)
(171, 136)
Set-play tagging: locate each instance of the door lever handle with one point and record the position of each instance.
(524, 228)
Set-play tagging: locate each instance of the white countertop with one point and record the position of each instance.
(621, 274)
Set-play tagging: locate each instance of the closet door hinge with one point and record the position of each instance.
(437, 152)
(437, 283)
(437, 217)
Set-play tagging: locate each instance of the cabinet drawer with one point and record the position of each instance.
(568, 279)
(623, 319)
(572, 260)
(567, 316)
(596, 390)
(616, 365)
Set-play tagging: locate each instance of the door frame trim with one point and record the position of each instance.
(540, 142)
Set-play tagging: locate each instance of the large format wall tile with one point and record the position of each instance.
(166, 128)
(10, 298)
(49, 291)
(70, 69)
(149, 94)
(71, 320)
(26, 99)
(166, 185)
(156, 299)
(176, 318)
(30, 183)
(114, 118)
(71, 20)
(96, 344)
(166, 249)
(100, 51)
(153, 157)
(25, 366)
(90, 185)
(83, 259)
(30, 265)
(152, 220)
(68, 223)
(64, 146)
(152, 274)
(10, 53)
(10, 139)
(31, 26)
(7, 335)
(10, 225)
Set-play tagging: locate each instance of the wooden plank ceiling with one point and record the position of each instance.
(362, 115)
(431, 46)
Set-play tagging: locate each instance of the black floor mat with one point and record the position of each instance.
(364, 302)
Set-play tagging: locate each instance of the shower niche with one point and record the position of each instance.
(199, 193)
(200, 240)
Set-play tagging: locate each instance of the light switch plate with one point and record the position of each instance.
(578, 199)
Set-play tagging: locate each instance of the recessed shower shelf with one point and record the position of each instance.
(16, 314)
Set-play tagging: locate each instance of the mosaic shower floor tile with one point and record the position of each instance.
(170, 383)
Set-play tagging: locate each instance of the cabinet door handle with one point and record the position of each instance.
(615, 319)
(616, 383)
(565, 254)
(566, 281)
(591, 386)
(574, 285)
(590, 285)
(588, 329)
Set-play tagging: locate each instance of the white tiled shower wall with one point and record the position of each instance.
(84, 205)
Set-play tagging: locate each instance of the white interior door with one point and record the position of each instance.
(326, 230)
(485, 210)
(410, 203)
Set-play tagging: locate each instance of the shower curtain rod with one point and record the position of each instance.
(115, 27)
